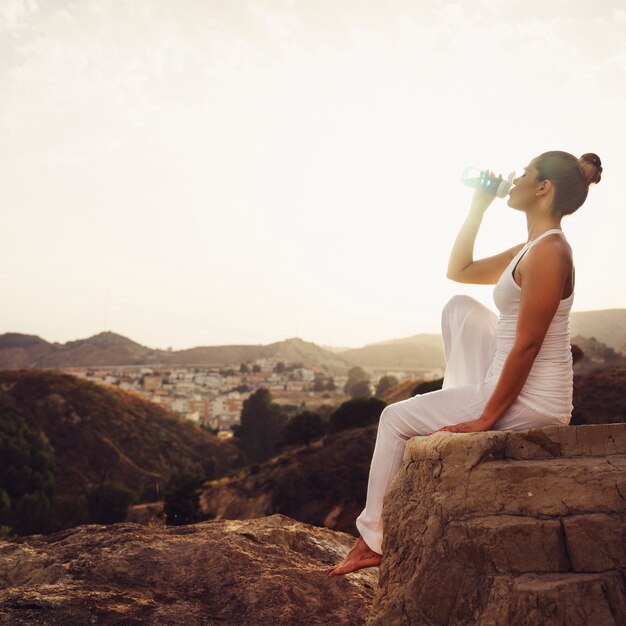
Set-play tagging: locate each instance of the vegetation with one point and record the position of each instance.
(358, 383)
(427, 387)
(181, 498)
(303, 428)
(74, 452)
(357, 413)
(261, 424)
(600, 397)
(385, 383)
(108, 502)
(591, 355)
(27, 475)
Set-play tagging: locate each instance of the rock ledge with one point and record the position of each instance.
(500, 528)
(262, 571)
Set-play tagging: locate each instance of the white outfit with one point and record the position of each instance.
(476, 344)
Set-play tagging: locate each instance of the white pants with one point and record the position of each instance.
(469, 336)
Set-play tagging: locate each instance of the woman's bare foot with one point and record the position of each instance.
(359, 557)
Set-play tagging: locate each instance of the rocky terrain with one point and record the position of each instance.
(229, 573)
(505, 528)
(490, 529)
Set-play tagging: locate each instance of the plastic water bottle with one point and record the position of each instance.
(496, 185)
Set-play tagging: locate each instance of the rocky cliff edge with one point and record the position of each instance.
(505, 528)
(231, 573)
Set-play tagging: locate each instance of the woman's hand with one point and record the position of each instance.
(474, 426)
(482, 199)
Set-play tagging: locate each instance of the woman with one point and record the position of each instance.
(511, 372)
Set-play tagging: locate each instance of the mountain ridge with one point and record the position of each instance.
(420, 351)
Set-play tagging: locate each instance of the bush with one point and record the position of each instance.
(71, 510)
(33, 514)
(385, 383)
(108, 502)
(356, 413)
(181, 498)
(6, 533)
(357, 377)
(302, 429)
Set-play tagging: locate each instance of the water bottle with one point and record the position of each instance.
(496, 185)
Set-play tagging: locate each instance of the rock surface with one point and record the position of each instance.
(263, 571)
(503, 528)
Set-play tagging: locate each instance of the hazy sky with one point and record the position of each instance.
(207, 172)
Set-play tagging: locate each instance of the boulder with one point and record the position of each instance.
(261, 571)
(508, 527)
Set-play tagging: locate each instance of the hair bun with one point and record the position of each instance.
(591, 167)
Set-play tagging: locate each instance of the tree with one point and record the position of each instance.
(302, 429)
(356, 413)
(361, 389)
(355, 375)
(320, 383)
(244, 369)
(330, 385)
(385, 383)
(261, 424)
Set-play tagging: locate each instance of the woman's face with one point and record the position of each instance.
(524, 192)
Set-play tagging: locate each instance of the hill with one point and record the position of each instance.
(600, 397)
(107, 348)
(606, 325)
(424, 351)
(596, 355)
(419, 352)
(98, 434)
(293, 350)
(323, 484)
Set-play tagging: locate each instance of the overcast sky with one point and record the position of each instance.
(209, 172)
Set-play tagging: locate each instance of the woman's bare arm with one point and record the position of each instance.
(461, 267)
(546, 271)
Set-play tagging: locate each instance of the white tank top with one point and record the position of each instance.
(549, 386)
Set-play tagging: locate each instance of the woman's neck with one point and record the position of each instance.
(537, 225)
